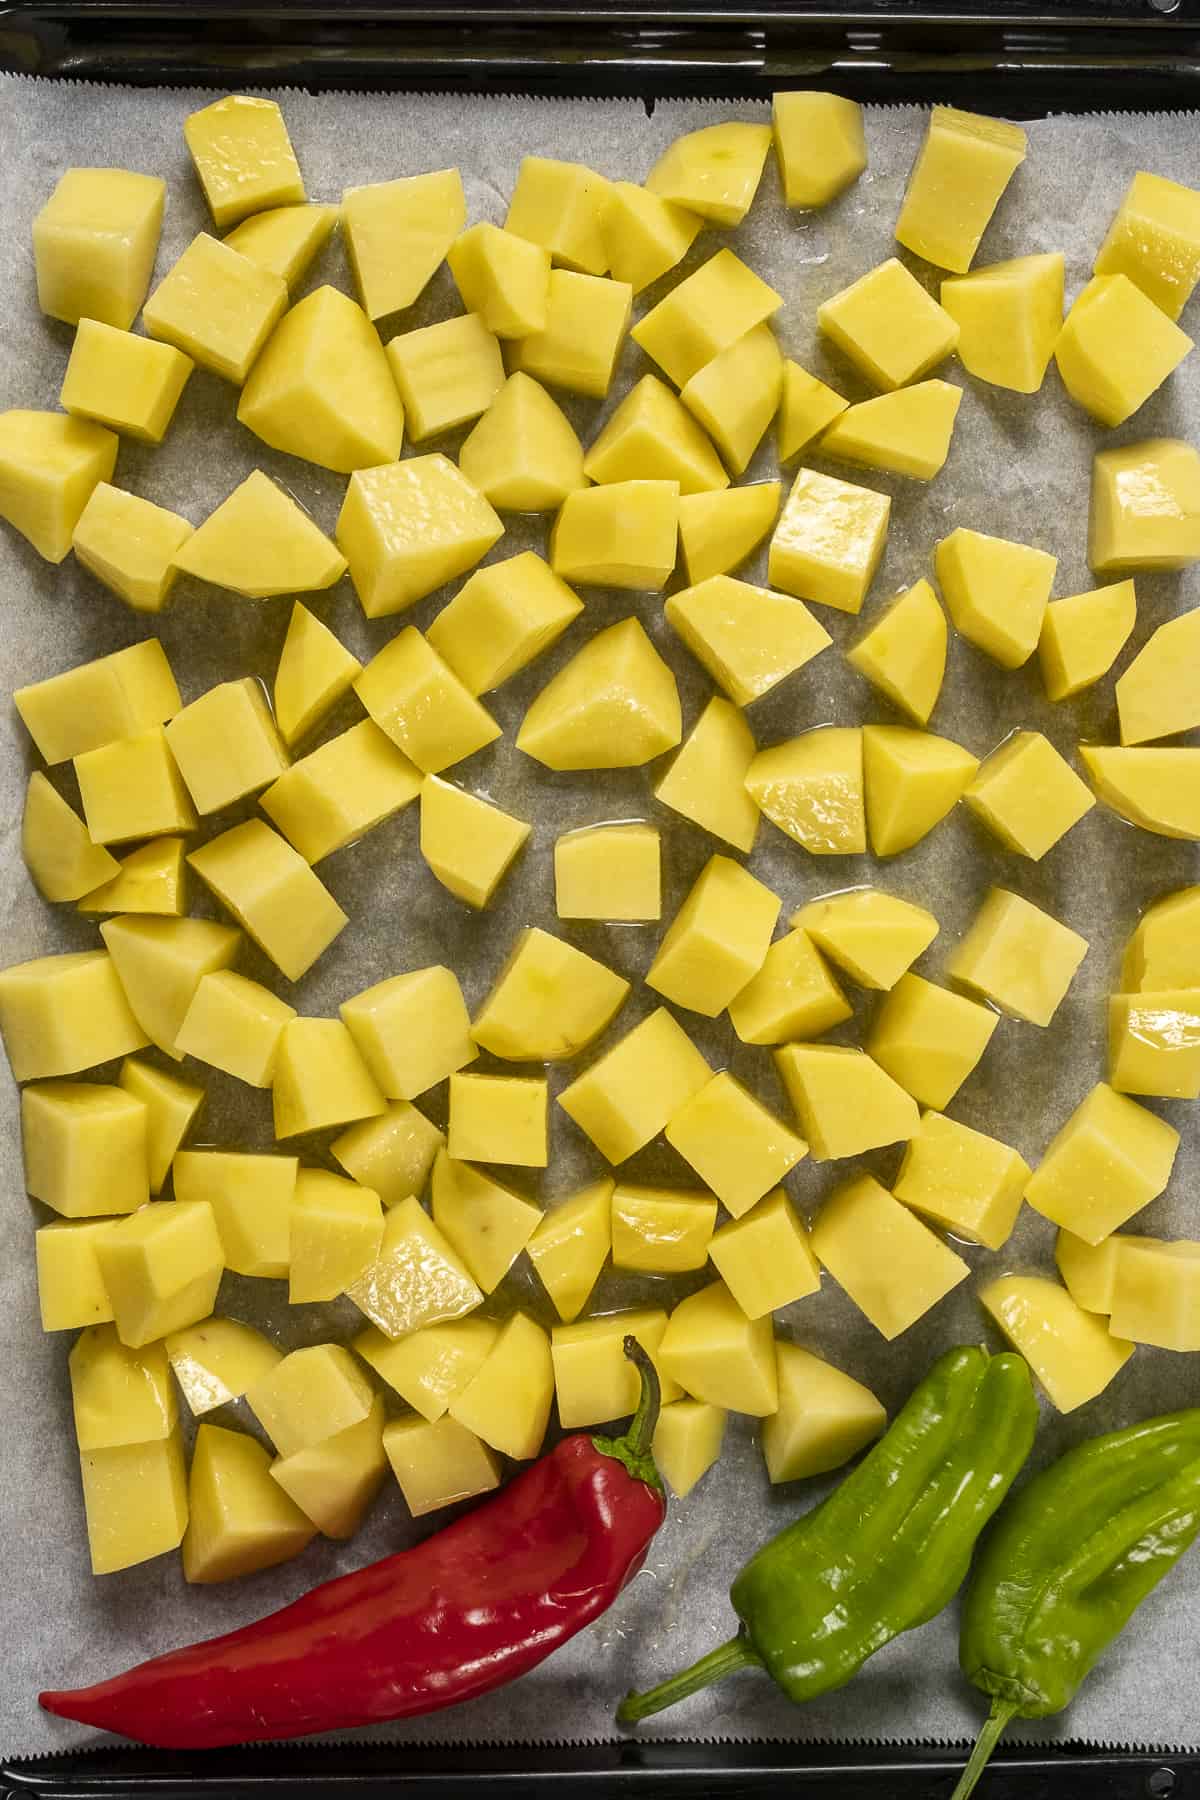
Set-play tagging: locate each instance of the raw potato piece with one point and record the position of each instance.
(314, 672)
(1082, 637)
(714, 171)
(913, 779)
(133, 789)
(1072, 1353)
(807, 406)
(1090, 1270)
(130, 544)
(502, 617)
(239, 1520)
(243, 156)
(217, 307)
(446, 374)
(118, 1395)
(1155, 240)
(736, 395)
(502, 277)
(929, 1039)
(1156, 789)
(320, 1079)
(61, 1014)
(714, 306)
(962, 1180)
(570, 1247)
(161, 1269)
(85, 1148)
(234, 1025)
(1027, 795)
(1018, 957)
(135, 1498)
(226, 744)
(62, 859)
(251, 1198)
(615, 705)
(259, 543)
(428, 1367)
(1111, 1158)
(486, 1223)
(420, 703)
(1157, 695)
(707, 780)
(644, 235)
(587, 317)
(622, 535)
(272, 893)
(469, 844)
(1115, 348)
(94, 243)
(336, 1231)
(216, 1361)
(397, 233)
(824, 1417)
(310, 1396)
(151, 879)
(611, 872)
(906, 433)
(338, 793)
(523, 454)
(549, 1001)
(765, 1259)
(438, 1464)
(407, 528)
(687, 1442)
(737, 1147)
(171, 1108)
(497, 1119)
(996, 592)
(128, 383)
(418, 1280)
(812, 788)
(71, 1291)
(873, 936)
(845, 1102)
(661, 1231)
(96, 702)
(334, 1482)
(391, 1153)
(285, 239)
(629, 1094)
(891, 1265)
(50, 465)
(1155, 1299)
(748, 638)
(652, 436)
(594, 1381)
(1145, 510)
(819, 143)
(718, 1355)
(903, 653)
(963, 167)
(508, 1402)
(1009, 316)
(888, 326)
(792, 996)
(717, 940)
(160, 964)
(411, 1030)
(719, 530)
(829, 541)
(559, 205)
(1163, 951)
(1154, 1043)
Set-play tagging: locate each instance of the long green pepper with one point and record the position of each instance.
(888, 1548)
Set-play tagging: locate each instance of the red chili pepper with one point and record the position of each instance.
(471, 1608)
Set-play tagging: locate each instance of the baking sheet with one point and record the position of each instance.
(1019, 467)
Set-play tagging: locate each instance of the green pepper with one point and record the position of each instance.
(1068, 1562)
(887, 1548)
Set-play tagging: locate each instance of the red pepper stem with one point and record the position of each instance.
(1002, 1712)
(725, 1660)
(634, 1447)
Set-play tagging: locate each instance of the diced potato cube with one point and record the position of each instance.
(523, 454)
(719, 530)
(687, 1442)
(226, 745)
(272, 893)
(119, 1395)
(661, 1231)
(595, 1382)
(644, 235)
(845, 1102)
(503, 277)
(651, 436)
(623, 535)
(707, 780)
(397, 233)
(244, 158)
(888, 326)
(717, 940)
(962, 1179)
(1156, 1294)
(627, 1096)
(161, 1267)
(334, 1482)
(1156, 789)
(1111, 1158)
(216, 1361)
(714, 171)
(829, 541)
(736, 395)
(825, 1417)
(748, 638)
(446, 374)
(468, 843)
(1027, 795)
(60, 1014)
(128, 383)
(806, 408)
(1018, 957)
(392, 1153)
(611, 872)
(50, 464)
(498, 1119)
(811, 787)
(1155, 240)
(135, 1498)
(1145, 511)
(239, 1520)
(587, 317)
(486, 1223)
(411, 1030)
(820, 144)
(965, 162)
(336, 1231)
(133, 789)
(929, 1039)
(502, 617)
(314, 672)
(1009, 316)
(615, 705)
(764, 1258)
(219, 308)
(309, 1396)
(903, 653)
(558, 205)
(320, 1079)
(914, 780)
(71, 1290)
(420, 703)
(507, 1403)
(873, 936)
(59, 854)
(338, 793)
(161, 962)
(893, 1267)
(709, 310)
(151, 879)
(251, 1198)
(792, 996)
(130, 545)
(549, 1001)
(94, 244)
(1164, 949)
(409, 527)
(1115, 348)
(285, 239)
(418, 1280)
(1072, 1352)
(258, 543)
(720, 1356)
(1154, 1043)
(906, 433)
(322, 388)
(428, 1367)
(115, 696)
(996, 592)
(1083, 635)
(438, 1463)
(1090, 1270)
(570, 1246)
(85, 1148)
(1156, 695)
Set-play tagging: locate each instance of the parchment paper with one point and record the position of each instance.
(1019, 467)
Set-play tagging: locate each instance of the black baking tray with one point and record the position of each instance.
(1023, 59)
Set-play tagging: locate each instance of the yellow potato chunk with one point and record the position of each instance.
(408, 528)
(251, 1199)
(807, 407)
(709, 310)
(446, 374)
(1090, 1270)
(216, 306)
(615, 705)
(135, 1498)
(661, 1231)
(71, 1290)
(907, 432)
(1164, 948)
(322, 388)
(216, 1361)
(243, 157)
(811, 787)
(845, 1102)
(963, 1180)
(523, 454)
(748, 638)
(793, 995)
(718, 1355)
(903, 653)
(558, 205)
(338, 793)
(644, 235)
(160, 963)
(235, 1025)
(418, 1280)
(622, 534)
(929, 1039)
(239, 1520)
(873, 936)
(161, 1268)
(825, 1417)
(336, 1231)
(133, 789)
(996, 592)
(1082, 637)
(1156, 1294)
(1116, 348)
(272, 893)
(548, 1002)
(1027, 795)
(595, 1383)
(131, 384)
(391, 1153)
(714, 171)
(94, 244)
(737, 394)
(226, 745)
(1156, 696)
(1145, 511)
(611, 872)
(1017, 956)
(720, 529)
(1155, 240)
(85, 1148)
(570, 1247)
(629, 1093)
(61, 1014)
(258, 543)
(687, 1442)
(334, 1482)
(1072, 1353)
(469, 844)
(965, 162)
(172, 1107)
(913, 780)
(419, 702)
(1154, 1043)
(507, 1403)
(320, 1079)
(498, 1119)
(62, 859)
(819, 143)
(764, 1258)
(50, 464)
(438, 1464)
(503, 277)
(707, 780)
(150, 879)
(412, 1030)
(1156, 789)
(717, 940)
(587, 317)
(115, 696)
(486, 1223)
(888, 326)
(428, 1367)
(1009, 316)
(651, 436)
(397, 233)
(130, 545)
(314, 672)
(119, 1395)
(502, 617)
(1111, 1158)
(893, 1267)
(310, 1396)
(829, 541)
(285, 239)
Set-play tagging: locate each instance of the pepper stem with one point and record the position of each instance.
(1002, 1712)
(634, 1447)
(726, 1660)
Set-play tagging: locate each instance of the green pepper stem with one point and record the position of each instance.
(634, 1448)
(734, 1655)
(1002, 1712)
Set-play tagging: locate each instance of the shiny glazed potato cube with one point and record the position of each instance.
(340, 791)
(320, 1079)
(419, 702)
(1090, 1270)
(85, 1148)
(903, 653)
(1155, 240)
(1083, 635)
(651, 436)
(411, 1030)
(709, 310)
(128, 383)
(687, 1442)
(503, 277)
(548, 1002)
(216, 1361)
(1111, 1158)
(135, 1498)
(623, 534)
(1163, 951)
(71, 1291)
(219, 308)
(61, 1014)
(507, 1404)
(1156, 1294)
(811, 787)
(570, 1246)
(888, 326)
(627, 1096)
(996, 592)
(309, 1396)
(94, 243)
(615, 705)
(906, 433)
(1009, 316)
(239, 1520)
(1027, 795)
(285, 239)
(119, 1395)
(486, 1223)
(438, 1464)
(1072, 1352)
(719, 530)
(115, 696)
(717, 940)
(661, 1231)
(258, 543)
(587, 317)
(418, 1280)
(49, 466)
(1156, 694)
(446, 374)
(819, 143)
(251, 1198)
(845, 1102)
(161, 1268)
(825, 1417)
(1154, 1043)
(407, 528)
(468, 843)
(243, 157)
(523, 454)
(391, 1153)
(611, 872)
(893, 1267)
(315, 671)
(962, 1179)
(748, 638)
(714, 171)
(1145, 511)
(829, 541)
(336, 1231)
(929, 1039)
(133, 789)
(806, 407)
(963, 167)
(707, 780)
(160, 963)
(151, 879)
(334, 1482)
(793, 995)
(498, 1119)
(595, 1382)
(1018, 957)
(873, 936)
(502, 617)
(59, 854)
(428, 1367)
(226, 745)
(272, 893)
(1115, 348)
(718, 1355)
(644, 235)
(1156, 789)
(397, 233)
(558, 205)
(736, 395)
(764, 1258)
(130, 545)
